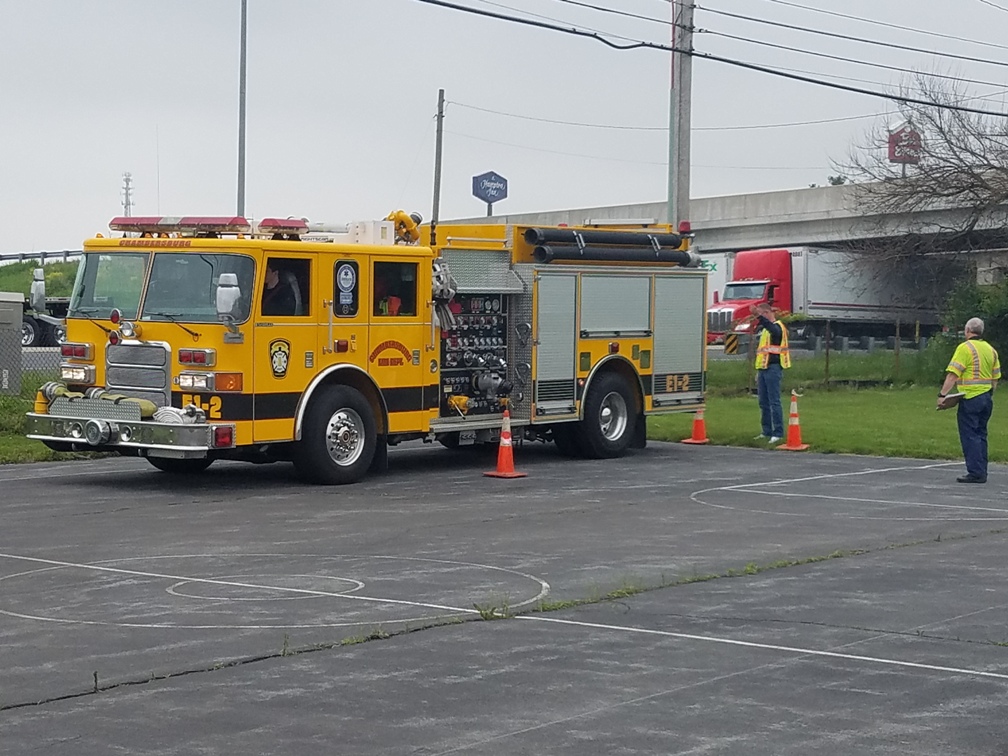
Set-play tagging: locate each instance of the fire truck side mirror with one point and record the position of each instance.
(228, 294)
(37, 295)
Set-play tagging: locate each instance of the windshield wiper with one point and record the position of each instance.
(86, 313)
(172, 318)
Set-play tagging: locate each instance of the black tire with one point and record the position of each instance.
(565, 436)
(180, 466)
(449, 440)
(338, 439)
(55, 334)
(610, 417)
(31, 334)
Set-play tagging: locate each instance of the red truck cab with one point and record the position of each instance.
(758, 275)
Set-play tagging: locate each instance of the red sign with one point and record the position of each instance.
(905, 146)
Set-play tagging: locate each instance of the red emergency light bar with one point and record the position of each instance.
(282, 226)
(191, 224)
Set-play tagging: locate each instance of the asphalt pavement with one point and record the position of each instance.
(761, 602)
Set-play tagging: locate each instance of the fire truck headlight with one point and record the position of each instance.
(77, 373)
(129, 330)
(196, 381)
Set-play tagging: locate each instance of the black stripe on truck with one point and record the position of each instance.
(275, 406)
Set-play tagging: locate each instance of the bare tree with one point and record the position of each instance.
(954, 201)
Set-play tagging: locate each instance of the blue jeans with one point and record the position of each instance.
(768, 381)
(972, 418)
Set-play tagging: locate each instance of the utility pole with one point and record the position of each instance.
(437, 167)
(127, 194)
(241, 114)
(680, 112)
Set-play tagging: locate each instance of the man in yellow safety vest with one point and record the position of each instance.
(772, 358)
(976, 368)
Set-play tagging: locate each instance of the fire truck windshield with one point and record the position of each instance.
(107, 282)
(183, 286)
(744, 291)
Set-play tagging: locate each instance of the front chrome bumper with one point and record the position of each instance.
(98, 434)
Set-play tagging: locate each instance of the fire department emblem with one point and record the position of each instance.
(279, 357)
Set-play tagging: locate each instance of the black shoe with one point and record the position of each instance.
(970, 479)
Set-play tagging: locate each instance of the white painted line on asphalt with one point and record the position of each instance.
(749, 487)
(774, 647)
(48, 472)
(879, 501)
(51, 564)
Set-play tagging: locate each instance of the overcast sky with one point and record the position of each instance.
(342, 96)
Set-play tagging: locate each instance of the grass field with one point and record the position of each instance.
(59, 277)
(885, 422)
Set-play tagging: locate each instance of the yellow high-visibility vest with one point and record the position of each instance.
(764, 349)
(976, 367)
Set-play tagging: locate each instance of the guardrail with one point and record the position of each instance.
(62, 255)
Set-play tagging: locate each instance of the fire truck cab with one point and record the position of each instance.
(203, 338)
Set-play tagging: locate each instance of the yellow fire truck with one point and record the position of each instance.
(203, 338)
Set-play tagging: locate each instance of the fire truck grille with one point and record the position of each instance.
(136, 377)
(139, 370)
(137, 354)
(718, 322)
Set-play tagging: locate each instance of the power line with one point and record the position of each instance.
(638, 162)
(710, 56)
(901, 27)
(562, 123)
(596, 35)
(546, 18)
(843, 59)
(994, 5)
(625, 14)
(748, 127)
(837, 35)
(665, 22)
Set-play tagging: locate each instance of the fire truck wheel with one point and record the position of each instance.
(180, 466)
(609, 418)
(565, 436)
(338, 438)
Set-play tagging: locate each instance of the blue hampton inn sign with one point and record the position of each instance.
(490, 187)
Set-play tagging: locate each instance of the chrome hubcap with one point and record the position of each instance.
(613, 416)
(345, 437)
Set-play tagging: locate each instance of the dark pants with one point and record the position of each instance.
(768, 381)
(972, 416)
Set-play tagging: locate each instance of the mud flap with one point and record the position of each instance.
(379, 463)
(639, 440)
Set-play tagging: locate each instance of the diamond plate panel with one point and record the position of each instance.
(97, 408)
(480, 271)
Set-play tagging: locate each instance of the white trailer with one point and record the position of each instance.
(834, 285)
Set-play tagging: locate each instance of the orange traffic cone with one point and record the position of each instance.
(794, 429)
(699, 430)
(505, 457)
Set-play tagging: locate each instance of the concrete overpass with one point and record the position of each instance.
(822, 216)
